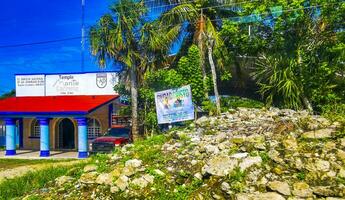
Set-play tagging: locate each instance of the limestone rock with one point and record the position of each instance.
(149, 178)
(318, 134)
(88, 178)
(211, 149)
(280, 187)
(302, 189)
(220, 165)
(122, 182)
(322, 165)
(324, 191)
(239, 155)
(225, 186)
(250, 161)
(60, 181)
(116, 172)
(135, 163)
(341, 155)
(140, 182)
(114, 189)
(198, 176)
(104, 179)
(202, 121)
(159, 172)
(290, 143)
(260, 196)
(129, 171)
(90, 168)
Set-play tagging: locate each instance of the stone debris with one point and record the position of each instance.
(244, 154)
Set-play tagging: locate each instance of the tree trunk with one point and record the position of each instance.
(202, 53)
(134, 98)
(307, 104)
(214, 75)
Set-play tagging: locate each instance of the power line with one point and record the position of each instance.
(224, 5)
(41, 42)
(281, 11)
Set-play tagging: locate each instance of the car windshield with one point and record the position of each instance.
(119, 132)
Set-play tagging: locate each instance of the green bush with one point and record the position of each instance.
(236, 101)
(334, 112)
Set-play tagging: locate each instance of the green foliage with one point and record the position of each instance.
(301, 176)
(237, 180)
(304, 52)
(12, 93)
(189, 68)
(264, 156)
(101, 160)
(334, 112)
(278, 82)
(231, 102)
(236, 102)
(161, 79)
(209, 107)
(33, 180)
(12, 163)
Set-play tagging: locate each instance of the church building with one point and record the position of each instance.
(58, 111)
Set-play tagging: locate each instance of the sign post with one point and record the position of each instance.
(174, 105)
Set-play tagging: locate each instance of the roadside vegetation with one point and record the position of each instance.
(31, 181)
(12, 163)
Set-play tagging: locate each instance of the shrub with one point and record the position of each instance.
(236, 101)
(334, 112)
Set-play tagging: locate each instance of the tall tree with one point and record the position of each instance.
(203, 26)
(125, 36)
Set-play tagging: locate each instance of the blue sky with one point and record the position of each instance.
(43, 20)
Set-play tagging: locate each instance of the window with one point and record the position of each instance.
(2, 129)
(35, 129)
(93, 128)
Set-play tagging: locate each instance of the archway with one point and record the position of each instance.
(66, 134)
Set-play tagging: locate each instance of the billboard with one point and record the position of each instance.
(174, 105)
(30, 85)
(101, 83)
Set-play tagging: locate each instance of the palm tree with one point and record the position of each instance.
(124, 37)
(205, 34)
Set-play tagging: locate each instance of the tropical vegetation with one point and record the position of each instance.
(288, 54)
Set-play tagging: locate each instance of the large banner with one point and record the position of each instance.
(66, 84)
(174, 105)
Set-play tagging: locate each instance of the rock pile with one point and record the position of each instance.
(253, 154)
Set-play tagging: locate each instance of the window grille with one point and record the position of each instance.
(36, 129)
(93, 128)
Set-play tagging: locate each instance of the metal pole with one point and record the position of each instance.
(82, 33)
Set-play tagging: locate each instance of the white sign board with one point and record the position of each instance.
(68, 84)
(174, 105)
(30, 85)
(101, 83)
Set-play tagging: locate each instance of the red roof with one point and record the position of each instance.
(53, 104)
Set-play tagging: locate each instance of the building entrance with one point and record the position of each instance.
(66, 134)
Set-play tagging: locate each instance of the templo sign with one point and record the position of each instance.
(101, 83)
(174, 105)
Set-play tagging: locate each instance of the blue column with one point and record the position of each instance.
(82, 138)
(10, 137)
(44, 137)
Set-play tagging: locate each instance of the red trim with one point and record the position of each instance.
(53, 104)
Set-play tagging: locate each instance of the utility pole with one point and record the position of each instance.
(82, 34)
